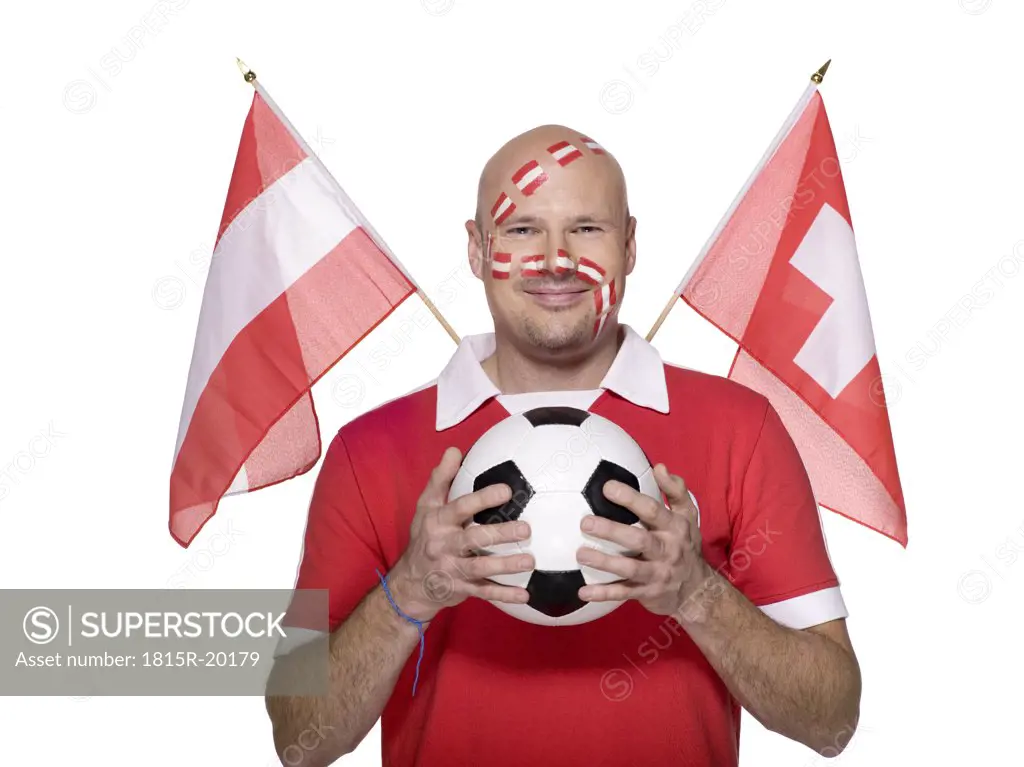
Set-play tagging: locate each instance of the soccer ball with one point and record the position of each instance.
(556, 460)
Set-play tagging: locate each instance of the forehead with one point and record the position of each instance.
(591, 184)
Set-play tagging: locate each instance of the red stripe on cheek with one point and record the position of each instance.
(593, 265)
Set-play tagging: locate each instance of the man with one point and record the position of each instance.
(733, 601)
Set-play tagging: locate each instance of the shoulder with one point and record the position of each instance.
(718, 398)
(391, 423)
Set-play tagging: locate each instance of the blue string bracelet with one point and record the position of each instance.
(418, 624)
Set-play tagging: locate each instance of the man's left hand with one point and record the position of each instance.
(670, 566)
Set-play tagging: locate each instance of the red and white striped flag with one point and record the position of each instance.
(781, 276)
(297, 278)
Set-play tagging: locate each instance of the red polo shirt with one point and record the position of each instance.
(630, 688)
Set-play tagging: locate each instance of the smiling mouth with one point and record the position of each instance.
(556, 292)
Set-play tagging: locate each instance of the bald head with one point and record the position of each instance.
(553, 241)
(592, 169)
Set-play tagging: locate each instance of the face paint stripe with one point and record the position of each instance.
(590, 272)
(501, 266)
(527, 191)
(530, 269)
(612, 298)
(507, 211)
(502, 200)
(563, 262)
(592, 145)
(529, 181)
(564, 152)
(520, 174)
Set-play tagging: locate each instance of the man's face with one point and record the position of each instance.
(554, 267)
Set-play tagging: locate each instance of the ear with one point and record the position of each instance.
(475, 249)
(630, 244)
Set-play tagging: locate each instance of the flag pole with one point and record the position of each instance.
(816, 79)
(250, 77)
(661, 318)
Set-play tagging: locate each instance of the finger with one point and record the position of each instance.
(495, 592)
(496, 497)
(652, 513)
(481, 536)
(629, 537)
(628, 568)
(441, 478)
(489, 565)
(675, 491)
(611, 592)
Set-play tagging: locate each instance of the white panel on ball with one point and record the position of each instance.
(615, 445)
(557, 458)
(497, 444)
(555, 534)
(462, 484)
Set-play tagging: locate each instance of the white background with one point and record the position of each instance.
(120, 124)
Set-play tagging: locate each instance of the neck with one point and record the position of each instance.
(515, 370)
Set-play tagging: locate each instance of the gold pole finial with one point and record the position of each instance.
(818, 76)
(247, 73)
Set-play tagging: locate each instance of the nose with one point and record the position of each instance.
(557, 260)
(564, 263)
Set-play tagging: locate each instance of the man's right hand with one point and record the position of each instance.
(438, 568)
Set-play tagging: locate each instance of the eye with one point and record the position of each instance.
(587, 229)
(521, 230)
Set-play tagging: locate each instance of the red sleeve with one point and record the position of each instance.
(340, 550)
(778, 557)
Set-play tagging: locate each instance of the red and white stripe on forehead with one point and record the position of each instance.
(564, 152)
(502, 209)
(529, 178)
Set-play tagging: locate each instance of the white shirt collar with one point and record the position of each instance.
(637, 374)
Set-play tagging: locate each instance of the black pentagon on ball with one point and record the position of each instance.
(506, 473)
(555, 593)
(564, 416)
(594, 492)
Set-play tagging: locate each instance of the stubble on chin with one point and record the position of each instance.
(558, 334)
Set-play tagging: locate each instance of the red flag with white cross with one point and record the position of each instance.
(781, 276)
